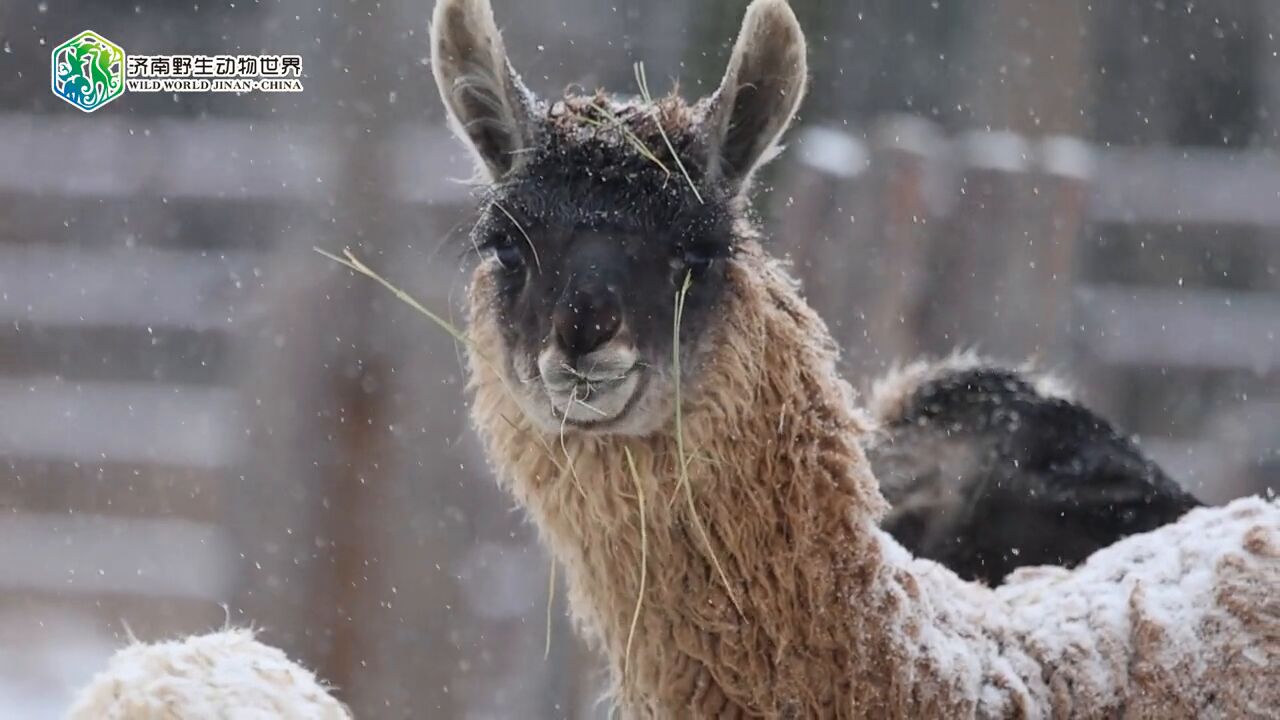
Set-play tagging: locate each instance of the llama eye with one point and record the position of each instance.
(697, 259)
(507, 253)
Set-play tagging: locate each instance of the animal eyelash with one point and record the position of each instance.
(496, 240)
(712, 250)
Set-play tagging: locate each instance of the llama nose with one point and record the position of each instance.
(585, 319)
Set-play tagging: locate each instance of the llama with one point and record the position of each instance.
(655, 393)
(990, 468)
(225, 674)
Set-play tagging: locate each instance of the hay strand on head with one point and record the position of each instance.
(616, 123)
(643, 81)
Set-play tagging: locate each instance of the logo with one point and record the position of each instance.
(88, 71)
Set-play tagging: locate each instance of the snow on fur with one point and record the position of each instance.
(890, 395)
(1189, 615)
(225, 674)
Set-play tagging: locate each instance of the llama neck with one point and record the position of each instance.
(766, 587)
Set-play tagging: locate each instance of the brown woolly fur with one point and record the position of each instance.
(817, 477)
(838, 620)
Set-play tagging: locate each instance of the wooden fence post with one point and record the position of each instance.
(969, 298)
(813, 216)
(904, 169)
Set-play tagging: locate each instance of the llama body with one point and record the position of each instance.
(739, 570)
(837, 619)
(990, 468)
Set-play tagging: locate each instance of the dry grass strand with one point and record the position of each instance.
(551, 599)
(683, 480)
(351, 262)
(616, 123)
(643, 81)
(573, 471)
(536, 260)
(644, 560)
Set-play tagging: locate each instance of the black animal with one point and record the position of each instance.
(987, 472)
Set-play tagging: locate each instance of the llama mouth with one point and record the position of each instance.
(596, 403)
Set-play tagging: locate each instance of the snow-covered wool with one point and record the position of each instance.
(226, 674)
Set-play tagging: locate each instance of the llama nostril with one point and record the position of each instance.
(586, 320)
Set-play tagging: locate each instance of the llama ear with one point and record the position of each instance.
(489, 107)
(760, 92)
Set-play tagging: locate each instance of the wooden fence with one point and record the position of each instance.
(1148, 275)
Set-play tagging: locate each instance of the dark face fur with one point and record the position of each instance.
(586, 268)
(599, 210)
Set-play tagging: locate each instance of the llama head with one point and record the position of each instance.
(598, 209)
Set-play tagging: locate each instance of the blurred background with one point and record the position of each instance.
(202, 420)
